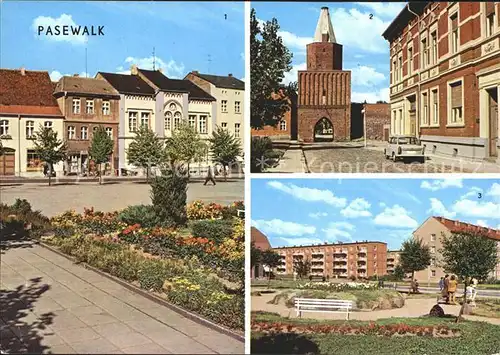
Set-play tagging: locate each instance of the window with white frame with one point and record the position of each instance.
(424, 62)
(4, 127)
(425, 109)
(454, 33)
(168, 120)
(394, 71)
(410, 60)
(30, 129)
(132, 121)
(105, 108)
(177, 120)
(202, 124)
(71, 132)
(223, 106)
(433, 237)
(192, 121)
(282, 125)
(89, 107)
(435, 107)
(145, 119)
(47, 124)
(236, 129)
(434, 48)
(456, 103)
(400, 67)
(76, 106)
(33, 161)
(109, 132)
(84, 134)
(237, 107)
(433, 273)
(224, 124)
(433, 250)
(490, 18)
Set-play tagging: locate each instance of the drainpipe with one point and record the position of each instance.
(19, 144)
(417, 128)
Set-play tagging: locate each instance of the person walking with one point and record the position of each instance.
(210, 176)
(444, 291)
(452, 288)
(441, 284)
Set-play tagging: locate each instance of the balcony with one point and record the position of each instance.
(362, 250)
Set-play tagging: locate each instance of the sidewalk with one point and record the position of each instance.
(293, 161)
(49, 304)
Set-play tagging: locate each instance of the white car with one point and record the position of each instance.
(404, 147)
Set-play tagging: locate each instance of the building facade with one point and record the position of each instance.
(445, 76)
(26, 104)
(393, 258)
(260, 241)
(378, 121)
(324, 93)
(431, 233)
(343, 260)
(229, 93)
(283, 129)
(86, 104)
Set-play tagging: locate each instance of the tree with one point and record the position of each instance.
(255, 255)
(469, 254)
(415, 256)
(270, 59)
(270, 259)
(146, 150)
(185, 146)
(302, 267)
(169, 197)
(399, 273)
(100, 149)
(225, 148)
(49, 148)
(261, 148)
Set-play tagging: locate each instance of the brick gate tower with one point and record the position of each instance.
(324, 103)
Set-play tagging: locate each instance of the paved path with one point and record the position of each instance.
(291, 162)
(460, 291)
(110, 197)
(49, 304)
(413, 308)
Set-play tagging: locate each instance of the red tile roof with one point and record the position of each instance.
(28, 93)
(460, 227)
(259, 239)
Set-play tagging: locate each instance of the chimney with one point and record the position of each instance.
(133, 69)
(230, 74)
(196, 72)
(23, 71)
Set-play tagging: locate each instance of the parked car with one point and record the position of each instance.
(404, 147)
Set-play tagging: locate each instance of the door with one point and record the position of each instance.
(7, 162)
(493, 118)
(413, 116)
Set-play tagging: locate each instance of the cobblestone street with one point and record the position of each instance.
(361, 160)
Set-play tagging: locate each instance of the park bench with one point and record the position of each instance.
(323, 306)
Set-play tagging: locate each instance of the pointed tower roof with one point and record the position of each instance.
(324, 29)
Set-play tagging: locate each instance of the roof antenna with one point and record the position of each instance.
(209, 61)
(154, 59)
(86, 65)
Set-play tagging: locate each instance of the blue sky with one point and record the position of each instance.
(183, 34)
(366, 52)
(306, 211)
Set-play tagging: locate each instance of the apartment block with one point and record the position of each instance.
(431, 232)
(342, 260)
(393, 258)
(445, 77)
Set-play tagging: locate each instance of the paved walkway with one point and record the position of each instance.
(291, 162)
(49, 304)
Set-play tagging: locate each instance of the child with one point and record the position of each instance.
(452, 288)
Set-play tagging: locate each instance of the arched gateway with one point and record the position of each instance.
(323, 130)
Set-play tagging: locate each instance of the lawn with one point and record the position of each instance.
(474, 338)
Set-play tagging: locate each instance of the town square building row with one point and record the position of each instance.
(75, 106)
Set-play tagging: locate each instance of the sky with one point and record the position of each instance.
(306, 211)
(358, 26)
(184, 35)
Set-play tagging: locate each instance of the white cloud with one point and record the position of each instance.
(293, 75)
(171, 68)
(482, 223)
(371, 97)
(56, 75)
(292, 41)
(50, 22)
(337, 230)
(366, 76)
(396, 217)
(477, 209)
(318, 215)
(441, 184)
(358, 56)
(308, 194)
(388, 10)
(242, 56)
(302, 241)
(494, 191)
(279, 227)
(357, 208)
(438, 209)
(473, 192)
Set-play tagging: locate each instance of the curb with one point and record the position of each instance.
(306, 164)
(187, 314)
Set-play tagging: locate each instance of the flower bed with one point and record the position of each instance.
(199, 210)
(389, 330)
(338, 287)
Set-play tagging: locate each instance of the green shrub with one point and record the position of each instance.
(169, 198)
(214, 230)
(139, 214)
(34, 223)
(152, 275)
